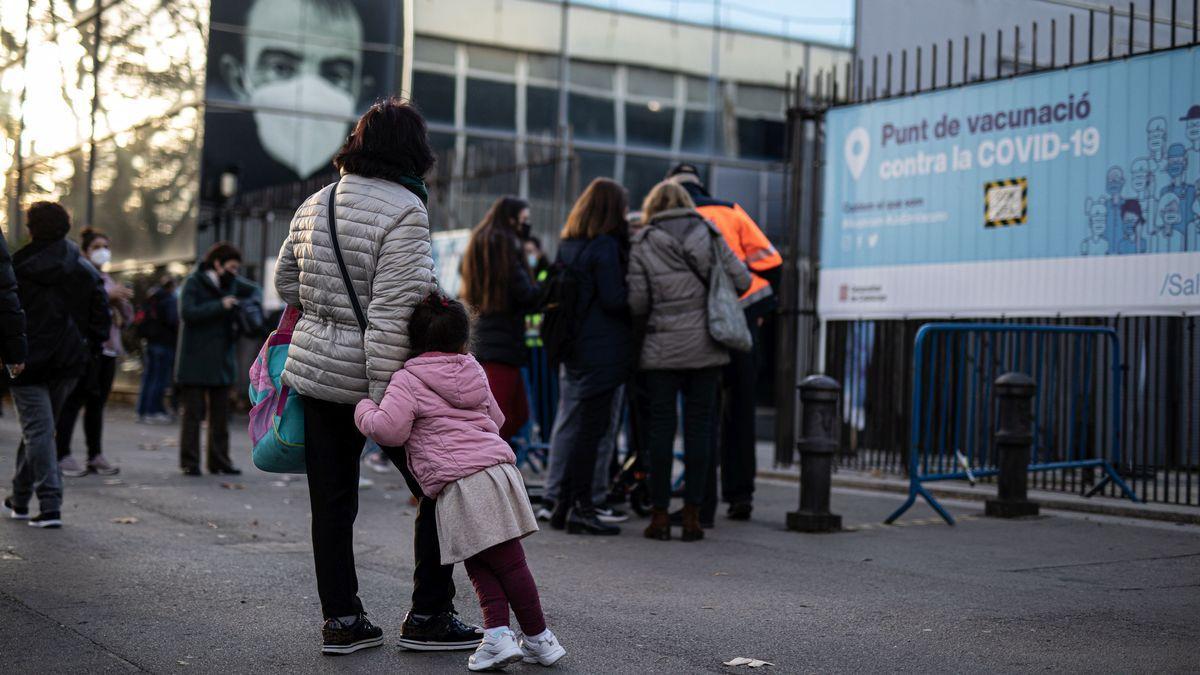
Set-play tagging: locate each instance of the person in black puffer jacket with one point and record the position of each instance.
(67, 318)
(498, 285)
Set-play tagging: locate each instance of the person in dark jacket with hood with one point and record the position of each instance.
(13, 346)
(206, 362)
(66, 311)
(497, 283)
(595, 243)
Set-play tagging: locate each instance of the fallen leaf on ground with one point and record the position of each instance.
(720, 574)
(743, 661)
(125, 520)
(114, 481)
(233, 486)
(211, 524)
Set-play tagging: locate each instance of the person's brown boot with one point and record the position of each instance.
(691, 523)
(660, 525)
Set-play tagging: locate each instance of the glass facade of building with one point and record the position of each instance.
(489, 107)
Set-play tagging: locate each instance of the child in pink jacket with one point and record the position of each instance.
(441, 409)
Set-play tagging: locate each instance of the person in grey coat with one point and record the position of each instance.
(333, 363)
(669, 265)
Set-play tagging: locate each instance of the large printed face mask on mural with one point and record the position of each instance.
(302, 143)
(302, 72)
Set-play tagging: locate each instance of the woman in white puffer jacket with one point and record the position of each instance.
(333, 363)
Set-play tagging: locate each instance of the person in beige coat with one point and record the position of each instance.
(669, 265)
(333, 363)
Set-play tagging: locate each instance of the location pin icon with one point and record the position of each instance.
(857, 149)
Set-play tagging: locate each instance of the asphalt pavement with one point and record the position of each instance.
(158, 572)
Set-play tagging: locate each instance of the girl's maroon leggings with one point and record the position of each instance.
(501, 579)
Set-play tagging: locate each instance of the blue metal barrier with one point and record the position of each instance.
(954, 385)
(532, 442)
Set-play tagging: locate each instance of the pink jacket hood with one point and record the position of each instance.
(441, 409)
(457, 378)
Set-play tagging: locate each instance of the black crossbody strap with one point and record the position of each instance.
(337, 252)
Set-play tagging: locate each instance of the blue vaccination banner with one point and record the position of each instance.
(1069, 192)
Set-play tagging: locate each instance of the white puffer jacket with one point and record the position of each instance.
(383, 230)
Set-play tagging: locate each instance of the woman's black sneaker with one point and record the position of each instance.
(341, 638)
(583, 520)
(47, 519)
(439, 633)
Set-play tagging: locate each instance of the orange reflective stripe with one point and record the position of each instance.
(759, 254)
(759, 289)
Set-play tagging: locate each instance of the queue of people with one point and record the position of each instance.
(642, 343)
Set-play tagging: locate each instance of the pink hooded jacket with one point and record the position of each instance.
(439, 406)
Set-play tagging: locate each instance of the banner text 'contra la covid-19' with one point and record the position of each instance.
(1066, 192)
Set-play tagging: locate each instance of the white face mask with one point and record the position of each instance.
(532, 259)
(100, 257)
(303, 144)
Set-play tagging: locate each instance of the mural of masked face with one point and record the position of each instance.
(303, 75)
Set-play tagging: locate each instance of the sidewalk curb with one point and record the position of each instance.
(1047, 500)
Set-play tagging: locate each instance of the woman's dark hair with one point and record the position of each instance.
(389, 141)
(47, 220)
(491, 257)
(599, 210)
(439, 324)
(221, 252)
(1132, 206)
(89, 235)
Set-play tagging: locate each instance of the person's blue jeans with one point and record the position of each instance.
(157, 363)
(37, 473)
(563, 437)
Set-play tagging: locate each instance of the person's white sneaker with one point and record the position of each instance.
(378, 463)
(544, 649)
(498, 649)
(607, 514)
(544, 514)
(365, 483)
(70, 467)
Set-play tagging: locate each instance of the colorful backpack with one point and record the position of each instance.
(277, 415)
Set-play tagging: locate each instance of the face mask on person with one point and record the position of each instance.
(100, 257)
(524, 229)
(532, 259)
(303, 144)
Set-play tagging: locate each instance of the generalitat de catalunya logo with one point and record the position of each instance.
(856, 150)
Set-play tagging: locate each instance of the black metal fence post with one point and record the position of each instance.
(1014, 438)
(818, 445)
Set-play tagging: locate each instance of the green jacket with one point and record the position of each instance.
(207, 336)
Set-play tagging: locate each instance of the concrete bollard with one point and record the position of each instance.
(1014, 438)
(817, 445)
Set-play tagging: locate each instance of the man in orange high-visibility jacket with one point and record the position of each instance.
(737, 452)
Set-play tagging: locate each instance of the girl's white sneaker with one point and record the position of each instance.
(498, 649)
(543, 649)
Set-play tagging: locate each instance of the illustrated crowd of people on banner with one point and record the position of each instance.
(1162, 215)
